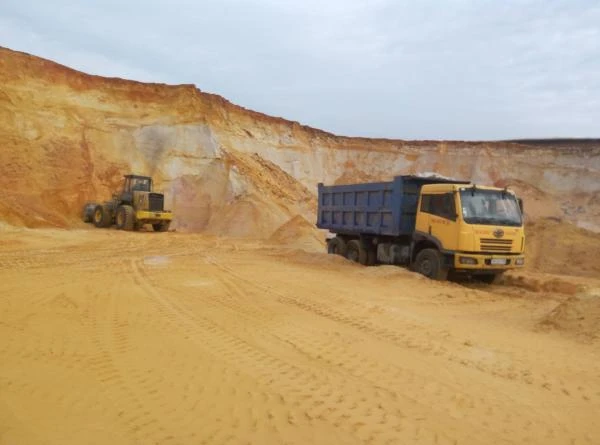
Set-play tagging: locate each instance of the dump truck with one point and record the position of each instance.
(434, 225)
(134, 206)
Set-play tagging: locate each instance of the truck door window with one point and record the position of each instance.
(439, 205)
(425, 203)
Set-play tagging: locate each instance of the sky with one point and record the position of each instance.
(401, 69)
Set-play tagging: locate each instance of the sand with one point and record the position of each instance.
(127, 338)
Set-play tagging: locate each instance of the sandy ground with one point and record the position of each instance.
(143, 338)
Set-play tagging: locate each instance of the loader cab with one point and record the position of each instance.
(137, 183)
(134, 183)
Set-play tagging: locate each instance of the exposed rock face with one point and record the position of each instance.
(69, 137)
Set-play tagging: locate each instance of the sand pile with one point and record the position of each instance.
(579, 315)
(554, 246)
(298, 233)
(254, 199)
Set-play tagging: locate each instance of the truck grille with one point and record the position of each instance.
(156, 202)
(495, 245)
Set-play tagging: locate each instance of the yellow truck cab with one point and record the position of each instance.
(432, 225)
(479, 229)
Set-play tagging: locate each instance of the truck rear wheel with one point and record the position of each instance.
(336, 246)
(430, 262)
(357, 253)
(101, 216)
(125, 218)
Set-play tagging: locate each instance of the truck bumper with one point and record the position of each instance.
(473, 262)
(144, 215)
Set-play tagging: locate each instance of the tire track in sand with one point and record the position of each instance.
(411, 337)
(376, 378)
(120, 383)
(452, 400)
(312, 397)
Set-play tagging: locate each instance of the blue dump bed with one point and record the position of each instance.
(376, 208)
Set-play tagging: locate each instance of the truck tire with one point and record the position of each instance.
(162, 226)
(336, 246)
(430, 262)
(125, 218)
(101, 216)
(356, 252)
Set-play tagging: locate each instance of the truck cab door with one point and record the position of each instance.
(437, 218)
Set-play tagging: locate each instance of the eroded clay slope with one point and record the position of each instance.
(69, 137)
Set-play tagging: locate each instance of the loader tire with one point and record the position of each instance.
(430, 262)
(125, 218)
(101, 216)
(87, 215)
(162, 226)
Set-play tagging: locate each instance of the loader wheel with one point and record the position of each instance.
(161, 226)
(429, 262)
(336, 246)
(88, 212)
(125, 218)
(356, 252)
(101, 216)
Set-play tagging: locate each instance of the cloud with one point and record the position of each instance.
(455, 69)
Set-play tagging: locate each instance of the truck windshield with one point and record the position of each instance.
(490, 207)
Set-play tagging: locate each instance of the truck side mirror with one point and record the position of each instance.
(520, 205)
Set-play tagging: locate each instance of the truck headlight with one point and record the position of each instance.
(520, 261)
(467, 260)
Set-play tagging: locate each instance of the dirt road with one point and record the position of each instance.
(123, 338)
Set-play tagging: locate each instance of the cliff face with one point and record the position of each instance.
(69, 137)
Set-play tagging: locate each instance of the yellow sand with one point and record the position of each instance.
(116, 338)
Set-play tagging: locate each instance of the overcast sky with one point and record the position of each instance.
(408, 69)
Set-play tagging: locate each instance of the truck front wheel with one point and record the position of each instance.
(430, 262)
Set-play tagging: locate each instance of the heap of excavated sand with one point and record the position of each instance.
(298, 233)
(579, 315)
(553, 246)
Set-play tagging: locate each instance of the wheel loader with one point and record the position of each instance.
(136, 205)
